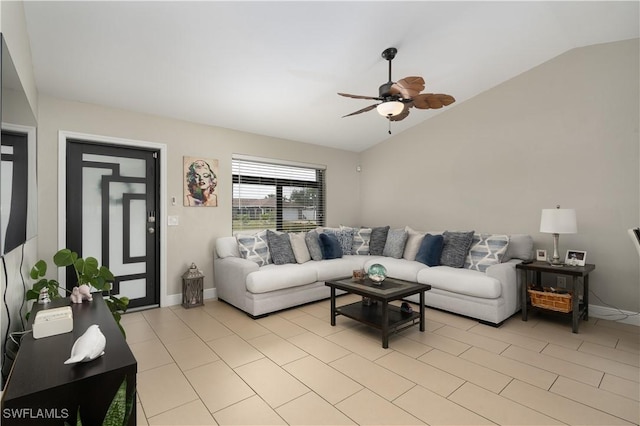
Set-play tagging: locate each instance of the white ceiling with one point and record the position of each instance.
(274, 68)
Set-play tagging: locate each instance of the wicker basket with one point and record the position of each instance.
(553, 301)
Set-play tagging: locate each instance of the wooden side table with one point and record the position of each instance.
(537, 268)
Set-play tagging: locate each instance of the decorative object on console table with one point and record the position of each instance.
(192, 287)
(541, 255)
(575, 258)
(558, 221)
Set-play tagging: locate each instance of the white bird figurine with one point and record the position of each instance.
(89, 346)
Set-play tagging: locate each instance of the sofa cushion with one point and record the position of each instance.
(344, 236)
(280, 248)
(254, 247)
(337, 268)
(378, 240)
(394, 246)
(361, 237)
(401, 269)
(430, 250)
(313, 244)
(277, 277)
(455, 248)
(414, 239)
(486, 250)
(330, 246)
(462, 281)
(299, 247)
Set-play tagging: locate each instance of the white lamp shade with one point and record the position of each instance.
(390, 108)
(558, 221)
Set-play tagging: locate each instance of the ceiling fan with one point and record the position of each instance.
(398, 97)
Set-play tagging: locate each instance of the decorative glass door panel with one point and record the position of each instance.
(114, 218)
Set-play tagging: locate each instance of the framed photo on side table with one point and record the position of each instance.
(541, 255)
(575, 258)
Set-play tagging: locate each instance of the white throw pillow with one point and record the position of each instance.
(414, 239)
(299, 246)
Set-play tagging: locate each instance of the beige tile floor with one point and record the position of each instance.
(215, 365)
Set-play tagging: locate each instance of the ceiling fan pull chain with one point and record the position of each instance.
(389, 119)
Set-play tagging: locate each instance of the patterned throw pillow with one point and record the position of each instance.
(254, 247)
(394, 246)
(313, 244)
(344, 236)
(486, 250)
(280, 248)
(299, 247)
(377, 240)
(361, 239)
(455, 248)
(414, 239)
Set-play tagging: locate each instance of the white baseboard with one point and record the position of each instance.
(612, 314)
(176, 299)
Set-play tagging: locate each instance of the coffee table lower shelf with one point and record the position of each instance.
(372, 315)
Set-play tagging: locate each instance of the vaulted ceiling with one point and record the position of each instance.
(274, 68)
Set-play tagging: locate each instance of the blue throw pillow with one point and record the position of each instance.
(330, 246)
(430, 250)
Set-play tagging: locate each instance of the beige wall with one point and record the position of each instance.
(563, 133)
(193, 240)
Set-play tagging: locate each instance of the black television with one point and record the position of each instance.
(18, 180)
(634, 233)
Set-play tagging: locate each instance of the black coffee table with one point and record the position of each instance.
(380, 314)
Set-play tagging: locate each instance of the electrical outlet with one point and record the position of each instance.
(562, 282)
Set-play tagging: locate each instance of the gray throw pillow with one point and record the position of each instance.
(394, 246)
(378, 240)
(280, 248)
(520, 247)
(313, 244)
(455, 248)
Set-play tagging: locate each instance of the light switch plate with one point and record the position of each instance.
(173, 221)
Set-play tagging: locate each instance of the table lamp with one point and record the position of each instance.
(558, 221)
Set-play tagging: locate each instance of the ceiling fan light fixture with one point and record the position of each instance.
(390, 108)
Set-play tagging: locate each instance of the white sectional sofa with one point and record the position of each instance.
(490, 296)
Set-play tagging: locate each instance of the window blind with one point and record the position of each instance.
(276, 196)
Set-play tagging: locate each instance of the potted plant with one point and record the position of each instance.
(89, 273)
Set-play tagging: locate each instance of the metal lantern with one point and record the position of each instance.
(192, 287)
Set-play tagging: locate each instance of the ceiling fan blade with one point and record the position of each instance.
(359, 96)
(432, 100)
(369, 108)
(402, 115)
(408, 87)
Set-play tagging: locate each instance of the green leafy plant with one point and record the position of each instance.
(88, 271)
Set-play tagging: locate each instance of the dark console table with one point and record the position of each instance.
(579, 310)
(42, 390)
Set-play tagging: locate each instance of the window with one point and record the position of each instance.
(268, 194)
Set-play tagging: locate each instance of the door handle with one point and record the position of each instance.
(151, 229)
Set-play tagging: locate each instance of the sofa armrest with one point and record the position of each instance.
(230, 277)
(507, 275)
